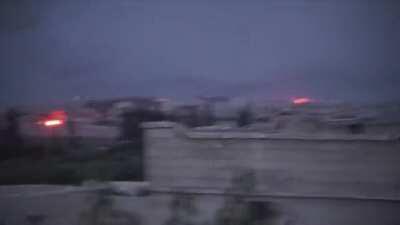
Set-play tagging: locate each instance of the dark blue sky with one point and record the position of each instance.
(53, 50)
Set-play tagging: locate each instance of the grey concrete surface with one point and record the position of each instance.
(321, 180)
(64, 208)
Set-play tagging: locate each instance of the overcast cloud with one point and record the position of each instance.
(54, 50)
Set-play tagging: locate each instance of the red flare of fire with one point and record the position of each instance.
(301, 101)
(54, 119)
(53, 123)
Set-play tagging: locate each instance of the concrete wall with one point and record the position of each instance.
(356, 172)
(360, 167)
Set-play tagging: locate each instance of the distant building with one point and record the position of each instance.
(113, 108)
(188, 115)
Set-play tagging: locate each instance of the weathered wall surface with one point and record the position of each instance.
(359, 167)
(314, 180)
(65, 208)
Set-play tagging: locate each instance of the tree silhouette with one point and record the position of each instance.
(245, 116)
(11, 136)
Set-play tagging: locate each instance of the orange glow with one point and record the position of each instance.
(53, 123)
(58, 115)
(54, 119)
(301, 101)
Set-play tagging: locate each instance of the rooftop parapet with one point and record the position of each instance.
(238, 133)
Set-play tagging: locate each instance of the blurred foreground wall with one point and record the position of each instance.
(311, 179)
